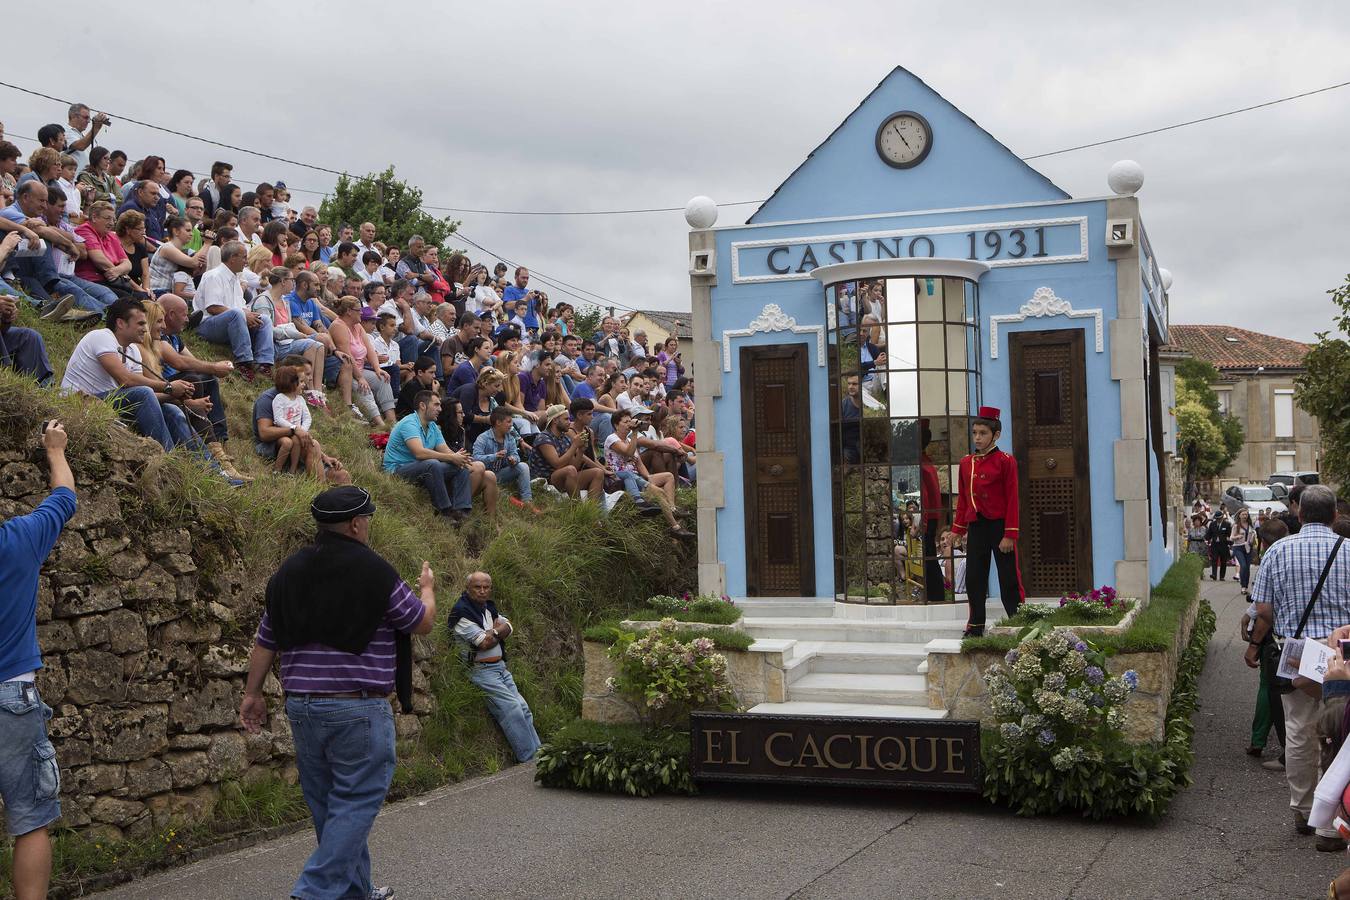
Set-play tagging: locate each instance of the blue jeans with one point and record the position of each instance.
(209, 386)
(344, 749)
(231, 327)
(603, 424)
(37, 274)
(633, 483)
(1244, 563)
(508, 707)
(88, 294)
(161, 422)
(434, 476)
(520, 475)
(409, 346)
(23, 350)
(30, 779)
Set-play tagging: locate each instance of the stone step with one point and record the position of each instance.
(850, 630)
(801, 607)
(860, 657)
(849, 710)
(841, 687)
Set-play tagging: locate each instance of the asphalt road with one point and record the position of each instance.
(1229, 835)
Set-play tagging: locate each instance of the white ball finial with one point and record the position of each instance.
(1166, 277)
(701, 212)
(1125, 177)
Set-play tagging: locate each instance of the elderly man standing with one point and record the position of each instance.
(341, 618)
(78, 140)
(476, 623)
(1302, 588)
(220, 297)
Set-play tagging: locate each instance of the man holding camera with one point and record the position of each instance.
(1293, 570)
(78, 140)
(30, 780)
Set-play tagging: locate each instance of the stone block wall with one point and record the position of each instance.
(145, 639)
(756, 677)
(956, 683)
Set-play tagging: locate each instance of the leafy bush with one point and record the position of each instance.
(1075, 612)
(1112, 778)
(707, 608)
(666, 678)
(608, 633)
(619, 759)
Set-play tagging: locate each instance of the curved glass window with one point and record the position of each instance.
(904, 380)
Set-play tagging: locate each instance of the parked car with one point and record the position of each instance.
(1255, 497)
(1289, 479)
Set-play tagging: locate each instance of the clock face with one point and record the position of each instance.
(904, 139)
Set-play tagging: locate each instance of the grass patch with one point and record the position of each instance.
(616, 759)
(607, 633)
(1154, 629)
(1068, 617)
(726, 614)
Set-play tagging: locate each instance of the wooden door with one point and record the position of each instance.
(776, 442)
(1049, 424)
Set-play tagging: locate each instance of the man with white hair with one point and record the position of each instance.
(250, 228)
(220, 298)
(78, 141)
(309, 218)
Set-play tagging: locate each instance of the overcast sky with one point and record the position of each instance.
(547, 106)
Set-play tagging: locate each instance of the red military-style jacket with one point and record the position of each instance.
(988, 488)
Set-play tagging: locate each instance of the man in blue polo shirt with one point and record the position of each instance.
(520, 291)
(418, 452)
(147, 201)
(30, 780)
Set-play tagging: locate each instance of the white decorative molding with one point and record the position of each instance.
(772, 318)
(1043, 303)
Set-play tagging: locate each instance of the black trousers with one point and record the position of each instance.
(1218, 560)
(934, 589)
(982, 539)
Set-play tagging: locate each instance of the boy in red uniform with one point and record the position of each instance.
(987, 513)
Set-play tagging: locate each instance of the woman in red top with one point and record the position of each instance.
(987, 513)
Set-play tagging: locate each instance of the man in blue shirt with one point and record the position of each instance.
(30, 780)
(147, 201)
(520, 291)
(417, 452)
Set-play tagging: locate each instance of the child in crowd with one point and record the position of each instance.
(498, 450)
(289, 410)
(370, 267)
(384, 335)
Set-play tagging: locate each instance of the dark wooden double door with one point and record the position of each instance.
(776, 442)
(1049, 422)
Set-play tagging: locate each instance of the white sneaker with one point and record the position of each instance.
(537, 484)
(611, 500)
(547, 488)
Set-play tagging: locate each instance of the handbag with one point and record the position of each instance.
(1286, 685)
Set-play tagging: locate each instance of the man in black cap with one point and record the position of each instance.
(341, 618)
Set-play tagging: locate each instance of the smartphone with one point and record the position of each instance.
(1345, 650)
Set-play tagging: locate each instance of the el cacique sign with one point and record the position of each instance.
(932, 754)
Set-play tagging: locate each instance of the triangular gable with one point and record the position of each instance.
(966, 166)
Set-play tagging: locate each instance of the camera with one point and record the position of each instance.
(1345, 650)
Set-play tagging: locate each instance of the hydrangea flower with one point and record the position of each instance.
(1056, 682)
(1094, 675)
(1012, 656)
(1131, 679)
(1046, 737)
(1034, 721)
(1073, 665)
(1067, 758)
(1012, 732)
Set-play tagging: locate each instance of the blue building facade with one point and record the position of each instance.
(909, 271)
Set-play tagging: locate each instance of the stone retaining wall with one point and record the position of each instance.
(956, 683)
(145, 640)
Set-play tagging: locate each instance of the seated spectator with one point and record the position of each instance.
(374, 398)
(146, 200)
(345, 259)
(131, 235)
(476, 623)
(438, 287)
(104, 262)
(479, 353)
(590, 386)
(660, 452)
(478, 399)
(180, 362)
(226, 321)
(44, 166)
(289, 410)
(30, 261)
(455, 347)
(384, 336)
(9, 164)
(250, 227)
(417, 452)
(268, 435)
(498, 450)
(443, 326)
(560, 459)
(272, 305)
(423, 379)
(91, 298)
(481, 481)
(514, 399)
(172, 257)
(21, 349)
(106, 364)
(369, 269)
(622, 457)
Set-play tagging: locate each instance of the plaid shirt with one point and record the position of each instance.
(1288, 574)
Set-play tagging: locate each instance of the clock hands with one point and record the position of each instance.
(896, 129)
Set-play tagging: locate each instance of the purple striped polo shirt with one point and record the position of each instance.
(320, 669)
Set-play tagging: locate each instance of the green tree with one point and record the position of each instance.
(1324, 390)
(1208, 440)
(394, 206)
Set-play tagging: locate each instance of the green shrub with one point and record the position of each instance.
(725, 614)
(723, 638)
(1065, 616)
(666, 678)
(618, 759)
(1116, 778)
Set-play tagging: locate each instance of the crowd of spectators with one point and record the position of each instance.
(469, 378)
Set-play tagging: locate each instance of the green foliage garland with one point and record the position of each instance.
(619, 759)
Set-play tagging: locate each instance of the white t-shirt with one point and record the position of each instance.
(291, 411)
(388, 351)
(219, 287)
(86, 375)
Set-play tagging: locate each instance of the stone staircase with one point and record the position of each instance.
(845, 659)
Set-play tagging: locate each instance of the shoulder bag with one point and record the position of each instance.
(1274, 649)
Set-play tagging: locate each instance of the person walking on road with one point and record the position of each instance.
(341, 617)
(30, 780)
(1219, 535)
